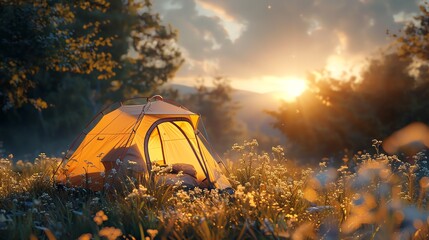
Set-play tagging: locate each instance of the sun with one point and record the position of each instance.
(291, 88)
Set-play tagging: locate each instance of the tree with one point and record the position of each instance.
(319, 121)
(217, 110)
(412, 41)
(83, 37)
(145, 50)
(109, 50)
(392, 93)
(412, 44)
(36, 37)
(336, 114)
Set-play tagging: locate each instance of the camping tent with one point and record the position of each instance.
(136, 138)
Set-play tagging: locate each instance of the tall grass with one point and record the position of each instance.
(367, 196)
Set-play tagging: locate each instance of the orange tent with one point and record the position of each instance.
(137, 138)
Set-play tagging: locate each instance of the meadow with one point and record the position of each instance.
(370, 195)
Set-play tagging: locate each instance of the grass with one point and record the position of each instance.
(367, 196)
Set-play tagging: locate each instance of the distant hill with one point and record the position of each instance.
(251, 114)
(183, 89)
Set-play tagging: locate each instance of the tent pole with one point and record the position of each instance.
(204, 160)
(78, 137)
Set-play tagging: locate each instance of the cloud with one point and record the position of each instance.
(232, 26)
(245, 39)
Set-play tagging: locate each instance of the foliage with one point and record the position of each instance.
(37, 37)
(412, 41)
(346, 113)
(73, 62)
(336, 114)
(218, 112)
(366, 197)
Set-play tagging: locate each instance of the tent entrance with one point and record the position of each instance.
(173, 141)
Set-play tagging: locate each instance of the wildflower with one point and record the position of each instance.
(100, 217)
(118, 161)
(183, 195)
(251, 199)
(240, 191)
(95, 200)
(305, 231)
(279, 150)
(140, 192)
(156, 169)
(152, 233)
(253, 143)
(376, 142)
(361, 213)
(292, 217)
(110, 233)
(167, 169)
(342, 168)
(36, 202)
(85, 236)
(237, 147)
(424, 182)
(310, 194)
(142, 188)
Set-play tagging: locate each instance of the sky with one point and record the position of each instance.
(271, 45)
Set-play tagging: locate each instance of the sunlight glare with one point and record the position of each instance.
(291, 89)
